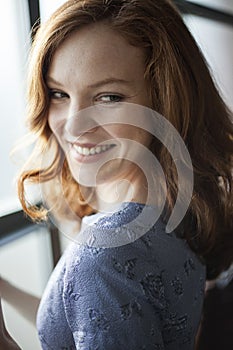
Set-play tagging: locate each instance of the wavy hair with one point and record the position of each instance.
(181, 89)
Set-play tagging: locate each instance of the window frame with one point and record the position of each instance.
(191, 8)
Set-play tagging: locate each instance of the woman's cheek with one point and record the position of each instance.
(56, 118)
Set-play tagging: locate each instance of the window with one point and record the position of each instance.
(15, 41)
(48, 7)
(215, 38)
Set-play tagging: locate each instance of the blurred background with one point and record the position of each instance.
(28, 252)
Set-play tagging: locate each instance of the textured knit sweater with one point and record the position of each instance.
(146, 294)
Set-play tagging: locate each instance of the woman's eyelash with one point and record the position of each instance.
(106, 98)
(110, 98)
(56, 94)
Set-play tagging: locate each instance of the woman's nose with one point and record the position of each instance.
(81, 120)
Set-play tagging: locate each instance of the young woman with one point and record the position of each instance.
(118, 60)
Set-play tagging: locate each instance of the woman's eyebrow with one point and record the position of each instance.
(109, 81)
(54, 81)
(100, 83)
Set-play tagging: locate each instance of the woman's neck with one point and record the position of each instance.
(110, 195)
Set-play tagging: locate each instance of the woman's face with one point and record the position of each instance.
(92, 71)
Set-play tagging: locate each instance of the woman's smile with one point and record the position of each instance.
(92, 73)
(86, 153)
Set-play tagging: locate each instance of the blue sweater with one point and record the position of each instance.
(144, 295)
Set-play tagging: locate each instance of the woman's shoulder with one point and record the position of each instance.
(132, 238)
(154, 280)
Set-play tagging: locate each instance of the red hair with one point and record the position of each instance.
(181, 89)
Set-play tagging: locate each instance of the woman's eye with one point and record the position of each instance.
(110, 98)
(57, 95)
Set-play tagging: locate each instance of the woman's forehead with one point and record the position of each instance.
(97, 48)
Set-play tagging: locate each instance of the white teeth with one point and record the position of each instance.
(91, 151)
(98, 149)
(86, 151)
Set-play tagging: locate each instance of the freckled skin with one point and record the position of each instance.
(77, 79)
